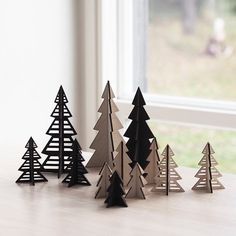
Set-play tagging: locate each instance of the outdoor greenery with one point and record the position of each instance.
(178, 66)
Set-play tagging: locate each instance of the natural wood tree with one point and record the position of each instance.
(121, 163)
(153, 170)
(115, 192)
(108, 136)
(104, 181)
(208, 175)
(31, 166)
(138, 132)
(166, 181)
(136, 183)
(61, 131)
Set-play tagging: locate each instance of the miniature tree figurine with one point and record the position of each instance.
(104, 181)
(31, 167)
(153, 169)
(108, 136)
(166, 181)
(76, 168)
(208, 175)
(121, 163)
(61, 131)
(138, 133)
(116, 192)
(136, 183)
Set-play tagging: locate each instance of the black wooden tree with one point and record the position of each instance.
(61, 131)
(31, 167)
(138, 133)
(116, 192)
(76, 168)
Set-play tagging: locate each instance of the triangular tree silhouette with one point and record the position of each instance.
(115, 192)
(108, 136)
(121, 163)
(76, 168)
(166, 181)
(104, 181)
(136, 183)
(31, 166)
(61, 131)
(208, 174)
(153, 170)
(138, 132)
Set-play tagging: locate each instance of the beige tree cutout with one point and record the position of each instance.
(104, 181)
(208, 174)
(108, 136)
(121, 163)
(153, 170)
(136, 183)
(166, 181)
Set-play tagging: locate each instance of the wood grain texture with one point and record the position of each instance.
(53, 209)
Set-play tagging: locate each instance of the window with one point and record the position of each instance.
(151, 45)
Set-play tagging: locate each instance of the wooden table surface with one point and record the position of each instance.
(53, 209)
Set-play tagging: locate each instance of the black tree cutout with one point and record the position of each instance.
(138, 133)
(61, 131)
(76, 168)
(116, 192)
(31, 167)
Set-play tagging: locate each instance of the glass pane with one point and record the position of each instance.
(188, 142)
(191, 48)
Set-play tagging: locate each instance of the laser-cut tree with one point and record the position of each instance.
(115, 192)
(138, 132)
(31, 166)
(121, 163)
(208, 174)
(166, 181)
(136, 183)
(77, 170)
(153, 169)
(108, 136)
(104, 181)
(61, 131)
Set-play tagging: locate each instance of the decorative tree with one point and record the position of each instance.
(121, 163)
(208, 175)
(103, 182)
(153, 169)
(31, 167)
(116, 192)
(136, 183)
(166, 181)
(61, 131)
(138, 132)
(108, 126)
(76, 168)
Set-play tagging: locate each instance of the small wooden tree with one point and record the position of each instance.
(31, 166)
(116, 192)
(166, 181)
(104, 181)
(136, 183)
(121, 163)
(77, 170)
(108, 136)
(138, 132)
(58, 148)
(208, 175)
(153, 170)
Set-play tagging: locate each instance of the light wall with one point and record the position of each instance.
(38, 53)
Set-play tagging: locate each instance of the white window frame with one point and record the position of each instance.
(113, 54)
(118, 57)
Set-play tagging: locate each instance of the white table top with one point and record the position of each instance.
(53, 209)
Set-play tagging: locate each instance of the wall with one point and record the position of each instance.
(37, 55)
